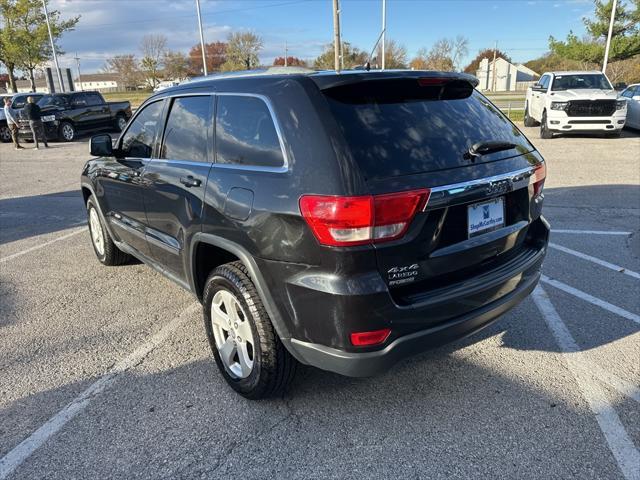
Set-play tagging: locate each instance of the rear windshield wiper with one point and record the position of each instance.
(483, 148)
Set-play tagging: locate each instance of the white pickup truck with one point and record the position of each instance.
(574, 102)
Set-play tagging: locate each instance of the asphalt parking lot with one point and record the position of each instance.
(106, 373)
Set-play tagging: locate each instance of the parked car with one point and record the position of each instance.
(64, 115)
(18, 101)
(565, 102)
(632, 96)
(5, 134)
(343, 221)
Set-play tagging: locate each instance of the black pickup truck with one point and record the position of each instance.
(64, 115)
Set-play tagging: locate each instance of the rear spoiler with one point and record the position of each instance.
(326, 80)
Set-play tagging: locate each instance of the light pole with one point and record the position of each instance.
(606, 48)
(77, 59)
(204, 57)
(384, 28)
(336, 35)
(53, 46)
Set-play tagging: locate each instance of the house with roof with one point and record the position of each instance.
(509, 77)
(102, 82)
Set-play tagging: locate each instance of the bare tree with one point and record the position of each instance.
(126, 68)
(153, 48)
(176, 65)
(445, 55)
(242, 51)
(395, 55)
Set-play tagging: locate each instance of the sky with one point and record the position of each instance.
(111, 27)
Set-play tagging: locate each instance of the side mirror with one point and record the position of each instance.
(101, 145)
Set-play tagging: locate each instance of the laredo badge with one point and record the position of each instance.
(401, 275)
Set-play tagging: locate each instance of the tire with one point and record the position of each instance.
(268, 368)
(121, 122)
(528, 121)
(544, 128)
(5, 134)
(106, 251)
(67, 132)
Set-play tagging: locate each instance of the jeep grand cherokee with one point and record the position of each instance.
(343, 221)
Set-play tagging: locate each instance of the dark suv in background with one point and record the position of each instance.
(341, 220)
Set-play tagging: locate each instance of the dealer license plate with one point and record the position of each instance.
(485, 217)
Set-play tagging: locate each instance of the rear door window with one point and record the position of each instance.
(398, 127)
(186, 133)
(246, 134)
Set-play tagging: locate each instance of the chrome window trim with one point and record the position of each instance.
(448, 195)
(256, 168)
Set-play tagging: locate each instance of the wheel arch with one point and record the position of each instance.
(204, 243)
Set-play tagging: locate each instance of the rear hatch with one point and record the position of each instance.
(418, 132)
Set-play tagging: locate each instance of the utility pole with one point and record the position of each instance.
(286, 53)
(53, 46)
(493, 80)
(606, 48)
(204, 56)
(384, 28)
(77, 59)
(336, 35)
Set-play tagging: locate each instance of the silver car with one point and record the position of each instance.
(632, 95)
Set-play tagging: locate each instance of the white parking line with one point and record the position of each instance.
(591, 299)
(41, 245)
(23, 450)
(621, 446)
(590, 232)
(602, 263)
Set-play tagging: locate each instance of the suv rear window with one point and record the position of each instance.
(398, 127)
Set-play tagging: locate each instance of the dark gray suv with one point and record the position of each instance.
(341, 220)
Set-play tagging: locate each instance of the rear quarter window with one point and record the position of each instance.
(398, 127)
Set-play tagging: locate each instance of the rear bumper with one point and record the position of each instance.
(559, 121)
(354, 364)
(325, 309)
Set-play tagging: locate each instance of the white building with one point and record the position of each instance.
(509, 77)
(102, 82)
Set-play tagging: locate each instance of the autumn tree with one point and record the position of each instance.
(352, 57)
(291, 62)
(625, 40)
(126, 68)
(176, 65)
(24, 37)
(242, 51)
(215, 53)
(153, 48)
(473, 66)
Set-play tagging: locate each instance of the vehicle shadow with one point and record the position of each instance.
(448, 415)
(25, 217)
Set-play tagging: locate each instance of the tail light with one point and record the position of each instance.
(538, 177)
(367, 339)
(362, 220)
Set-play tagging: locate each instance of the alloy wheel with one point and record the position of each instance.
(67, 132)
(5, 134)
(96, 231)
(122, 122)
(233, 335)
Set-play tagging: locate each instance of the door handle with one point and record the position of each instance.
(189, 181)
